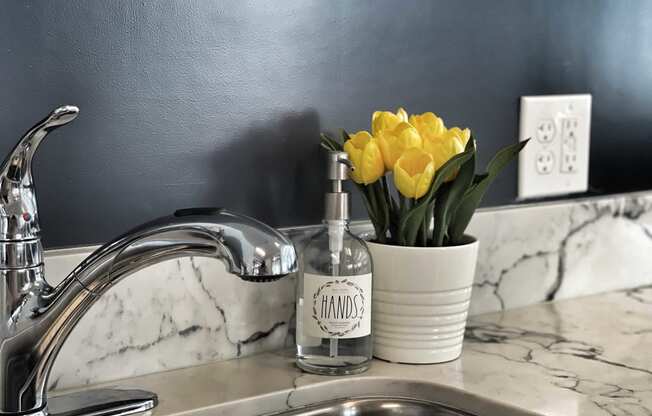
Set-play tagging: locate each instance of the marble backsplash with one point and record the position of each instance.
(191, 311)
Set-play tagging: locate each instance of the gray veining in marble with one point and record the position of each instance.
(560, 251)
(596, 348)
(175, 314)
(587, 356)
(189, 312)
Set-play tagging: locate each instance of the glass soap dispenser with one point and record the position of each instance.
(334, 289)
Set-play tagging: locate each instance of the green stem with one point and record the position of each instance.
(367, 203)
(424, 227)
(394, 213)
(372, 199)
(384, 206)
(388, 195)
(429, 218)
(377, 220)
(424, 232)
(441, 214)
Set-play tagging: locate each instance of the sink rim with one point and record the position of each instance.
(307, 390)
(369, 397)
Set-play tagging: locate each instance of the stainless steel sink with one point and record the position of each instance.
(374, 406)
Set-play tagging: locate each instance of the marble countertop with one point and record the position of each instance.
(584, 356)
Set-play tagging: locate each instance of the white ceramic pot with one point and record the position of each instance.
(420, 301)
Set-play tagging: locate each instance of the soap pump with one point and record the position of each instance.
(334, 288)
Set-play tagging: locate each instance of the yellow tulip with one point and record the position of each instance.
(413, 173)
(386, 120)
(443, 147)
(428, 125)
(462, 135)
(365, 155)
(394, 142)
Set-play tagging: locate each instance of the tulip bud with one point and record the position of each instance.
(365, 156)
(386, 120)
(393, 143)
(413, 173)
(428, 125)
(462, 135)
(444, 147)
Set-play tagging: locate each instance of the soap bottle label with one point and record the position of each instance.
(337, 306)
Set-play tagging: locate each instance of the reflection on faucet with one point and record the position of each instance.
(36, 318)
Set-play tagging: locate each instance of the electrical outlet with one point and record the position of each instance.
(546, 130)
(569, 132)
(556, 160)
(545, 162)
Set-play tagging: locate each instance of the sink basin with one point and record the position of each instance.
(374, 406)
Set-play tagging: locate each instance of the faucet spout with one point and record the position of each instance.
(42, 317)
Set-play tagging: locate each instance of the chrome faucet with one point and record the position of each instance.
(36, 318)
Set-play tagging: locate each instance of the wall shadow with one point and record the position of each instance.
(274, 171)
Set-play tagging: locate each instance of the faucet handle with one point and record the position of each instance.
(18, 209)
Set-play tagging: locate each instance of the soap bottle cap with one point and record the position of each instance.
(337, 201)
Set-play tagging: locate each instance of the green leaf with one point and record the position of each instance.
(479, 178)
(473, 197)
(410, 222)
(329, 143)
(451, 196)
(345, 136)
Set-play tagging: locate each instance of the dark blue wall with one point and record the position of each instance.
(204, 102)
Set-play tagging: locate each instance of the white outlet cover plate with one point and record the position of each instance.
(559, 127)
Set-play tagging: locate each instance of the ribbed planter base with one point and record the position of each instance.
(421, 300)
